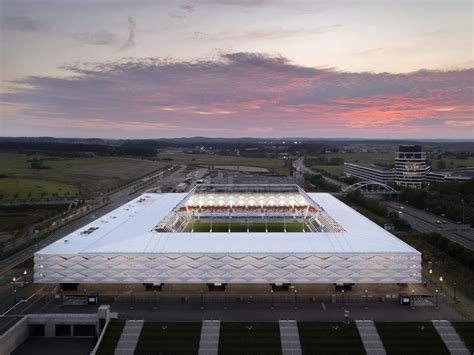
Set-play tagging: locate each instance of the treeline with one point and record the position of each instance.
(319, 183)
(453, 199)
(376, 208)
(139, 148)
(464, 255)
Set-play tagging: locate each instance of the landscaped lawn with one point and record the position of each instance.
(249, 338)
(111, 338)
(411, 338)
(169, 338)
(466, 332)
(330, 338)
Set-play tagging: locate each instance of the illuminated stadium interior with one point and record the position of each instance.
(247, 208)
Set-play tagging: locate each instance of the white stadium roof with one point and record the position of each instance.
(129, 229)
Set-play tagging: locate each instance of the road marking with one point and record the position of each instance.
(22, 301)
(323, 305)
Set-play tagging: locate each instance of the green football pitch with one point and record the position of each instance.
(242, 227)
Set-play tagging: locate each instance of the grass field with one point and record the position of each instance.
(238, 227)
(111, 338)
(13, 188)
(411, 338)
(466, 332)
(452, 163)
(66, 176)
(13, 218)
(278, 167)
(335, 170)
(169, 338)
(369, 158)
(249, 338)
(330, 338)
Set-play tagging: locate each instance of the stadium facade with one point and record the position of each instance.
(230, 234)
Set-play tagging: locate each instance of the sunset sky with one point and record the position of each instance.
(229, 68)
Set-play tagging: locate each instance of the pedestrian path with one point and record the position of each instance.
(450, 338)
(290, 338)
(129, 338)
(209, 343)
(370, 337)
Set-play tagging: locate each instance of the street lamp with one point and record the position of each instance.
(441, 283)
(131, 299)
(271, 292)
(14, 292)
(366, 299)
(202, 299)
(154, 299)
(437, 298)
(454, 293)
(431, 275)
(225, 299)
(296, 305)
(343, 300)
(413, 298)
(24, 277)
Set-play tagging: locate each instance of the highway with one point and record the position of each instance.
(116, 200)
(425, 222)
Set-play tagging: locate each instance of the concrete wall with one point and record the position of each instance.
(14, 337)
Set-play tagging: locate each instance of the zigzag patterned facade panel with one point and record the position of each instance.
(242, 268)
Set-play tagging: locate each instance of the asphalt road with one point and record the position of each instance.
(425, 222)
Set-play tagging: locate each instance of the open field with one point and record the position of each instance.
(330, 338)
(411, 338)
(466, 333)
(249, 338)
(451, 163)
(68, 176)
(13, 188)
(111, 338)
(369, 158)
(278, 167)
(239, 227)
(13, 218)
(335, 170)
(169, 338)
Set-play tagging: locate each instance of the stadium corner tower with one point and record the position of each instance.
(230, 234)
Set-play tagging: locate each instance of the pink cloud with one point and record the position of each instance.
(243, 93)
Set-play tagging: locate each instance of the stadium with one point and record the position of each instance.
(220, 234)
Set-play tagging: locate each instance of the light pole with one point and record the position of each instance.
(225, 299)
(154, 299)
(271, 292)
(441, 283)
(462, 202)
(343, 300)
(296, 304)
(131, 299)
(24, 277)
(202, 299)
(431, 275)
(454, 292)
(437, 298)
(366, 300)
(413, 299)
(14, 292)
